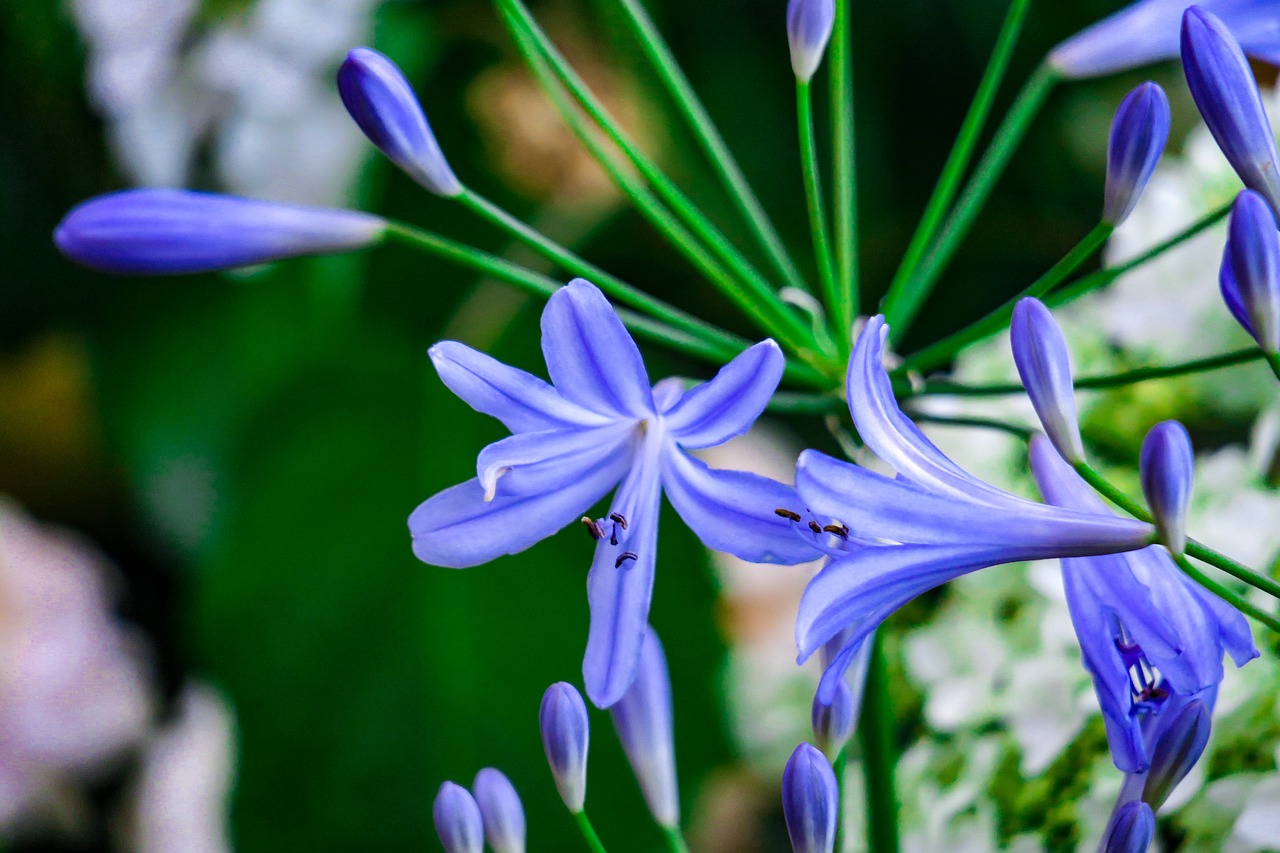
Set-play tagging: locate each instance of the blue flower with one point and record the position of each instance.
(1167, 468)
(1044, 365)
(1147, 631)
(566, 738)
(642, 718)
(1147, 32)
(944, 521)
(1250, 272)
(1131, 830)
(809, 25)
(598, 424)
(169, 232)
(500, 811)
(1138, 136)
(458, 821)
(1227, 96)
(810, 801)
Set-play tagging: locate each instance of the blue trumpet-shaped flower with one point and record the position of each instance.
(598, 424)
(1138, 136)
(1147, 631)
(1147, 32)
(642, 718)
(170, 232)
(943, 522)
(380, 99)
(809, 25)
(1250, 273)
(1226, 93)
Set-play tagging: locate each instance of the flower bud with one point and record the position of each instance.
(382, 102)
(1138, 136)
(500, 810)
(1131, 830)
(170, 232)
(1167, 469)
(809, 24)
(565, 736)
(810, 801)
(457, 820)
(833, 723)
(1226, 93)
(1250, 272)
(1040, 353)
(642, 718)
(1179, 748)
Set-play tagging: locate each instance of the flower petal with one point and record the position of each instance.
(458, 527)
(727, 405)
(733, 511)
(538, 462)
(590, 355)
(522, 401)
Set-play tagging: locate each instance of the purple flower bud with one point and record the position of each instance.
(1138, 136)
(382, 102)
(1040, 352)
(833, 723)
(809, 24)
(1167, 468)
(810, 802)
(1176, 752)
(1131, 830)
(1226, 93)
(169, 232)
(1250, 272)
(457, 820)
(500, 809)
(642, 718)
(565, 737)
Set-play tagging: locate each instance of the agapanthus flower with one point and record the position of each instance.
(1147, 32)
(938, 521)
(1250, 272)
(1138, 136)
(809, 25)
(600, 423)
(1147, 631)
(643, 720)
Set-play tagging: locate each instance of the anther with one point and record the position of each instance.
(837, 530)
(813, 525)
(620, 518)
(626, 555)
(787, 514)
(593, 528)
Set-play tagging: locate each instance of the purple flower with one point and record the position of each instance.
(642, 718)
(1167, 468)
(809, 24)
(1226, 93)
(1138, 136)
(810, 801)
(500, 811)
(598, 424)
(1147, 32)
(1040, 353)
(1131, 831)
(170, 232)
(382, 102)
(1250, 273)
(945, 521)
(1178, 737)
(566, 735)
(1146, 630)
(833, 721)
(457, 819)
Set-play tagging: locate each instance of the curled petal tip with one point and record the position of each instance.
(809, 25)
(1138, 136)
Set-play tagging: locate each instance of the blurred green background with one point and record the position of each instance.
(247, 447)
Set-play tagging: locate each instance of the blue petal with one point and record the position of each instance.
(1252, 259)
(539, 462)
(1040, 353)
(1138, 136)
(810, 801)
(642, 718)
(1167, 468)
(459, 528)
(1231, 290)
(733, 511)
(850, 655)
(522, 401)
(170, 232)
(727, 406)
(590, 356)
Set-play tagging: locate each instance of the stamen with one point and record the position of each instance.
(593, 528)
(787, 514)
(626, 555)
(620, 518)
(837, 530)
(813, 525)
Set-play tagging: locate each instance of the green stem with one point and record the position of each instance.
(675, 840)
(553, 72)
(588, 832)
(876, 732)
(838, 767)
(708, 137)
(792, 403)
(844, 174)
(976, 192)
(813, 197)
(1273, 361)
(1239, 602)
(1020, 431)
(941, 352)
(1195, 549)
(906, 293)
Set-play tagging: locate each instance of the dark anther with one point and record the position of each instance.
(787, 514)
(837, 530)
(813, 525)
(620, 518)
(626, 555)
(593, 528)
